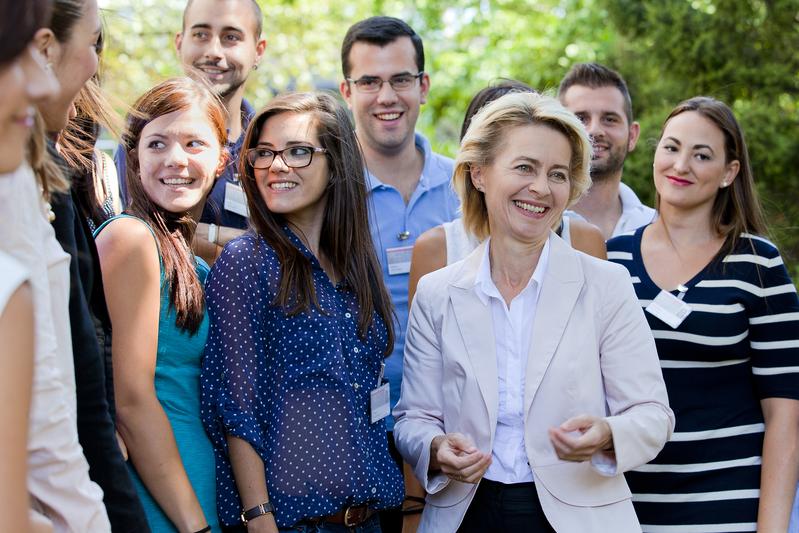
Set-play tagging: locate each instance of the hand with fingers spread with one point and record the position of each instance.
(456, 455)
(580, 437)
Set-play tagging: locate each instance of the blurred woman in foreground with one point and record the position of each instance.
(24, 82)
(71, 45)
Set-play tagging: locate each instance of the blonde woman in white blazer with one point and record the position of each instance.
(531, 381)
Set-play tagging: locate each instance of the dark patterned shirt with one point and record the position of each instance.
(296, 388)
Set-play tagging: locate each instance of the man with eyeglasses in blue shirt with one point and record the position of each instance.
(385, 85)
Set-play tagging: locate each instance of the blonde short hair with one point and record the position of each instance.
(486, 134)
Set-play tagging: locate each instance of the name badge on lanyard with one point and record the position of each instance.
(669, 308)
(380, 398)
(235, 199)
(399, 260)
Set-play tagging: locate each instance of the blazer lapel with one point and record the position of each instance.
(562, 284)
(477, 330)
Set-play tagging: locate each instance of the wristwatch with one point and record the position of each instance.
(257, 511)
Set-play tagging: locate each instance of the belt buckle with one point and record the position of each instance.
(354, 522)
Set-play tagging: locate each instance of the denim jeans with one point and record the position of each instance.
(370, 526)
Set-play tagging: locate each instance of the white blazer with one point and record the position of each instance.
(591, 352)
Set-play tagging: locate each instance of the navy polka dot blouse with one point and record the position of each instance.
(296, 388)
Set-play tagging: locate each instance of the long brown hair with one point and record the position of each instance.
(173, 232)
(736, 209)
(345, 239)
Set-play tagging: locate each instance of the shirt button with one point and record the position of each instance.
(356, 386)
(374, 490)
(356, 350)
(348, 315)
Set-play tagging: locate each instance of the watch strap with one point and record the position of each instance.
(255, 512)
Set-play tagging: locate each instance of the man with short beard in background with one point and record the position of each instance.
(600, 99)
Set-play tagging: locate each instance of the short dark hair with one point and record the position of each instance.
(380, 31)
(594, 75)
(256, 9)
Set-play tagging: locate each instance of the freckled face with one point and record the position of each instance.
(179, 159)
(527, 184)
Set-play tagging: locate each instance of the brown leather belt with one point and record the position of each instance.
(352, 516)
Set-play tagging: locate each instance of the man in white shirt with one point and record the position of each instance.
(599, 97)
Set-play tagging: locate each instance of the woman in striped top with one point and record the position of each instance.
(731, 363)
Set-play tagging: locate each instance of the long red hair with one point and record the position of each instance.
(174, 232)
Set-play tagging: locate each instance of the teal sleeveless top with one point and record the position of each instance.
(177, 387)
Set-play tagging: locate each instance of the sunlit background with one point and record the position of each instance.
(745, 52)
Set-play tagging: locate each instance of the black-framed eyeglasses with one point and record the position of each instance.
(293, 157)
(372, 84)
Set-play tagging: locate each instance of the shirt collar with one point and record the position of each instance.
(628, 198)
(247, 111)
(485, 287)
(429, 177)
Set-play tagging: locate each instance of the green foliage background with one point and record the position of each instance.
(745, 52)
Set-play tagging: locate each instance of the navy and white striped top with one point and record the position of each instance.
(739, 345)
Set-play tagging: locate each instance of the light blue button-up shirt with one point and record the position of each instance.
(395, 224)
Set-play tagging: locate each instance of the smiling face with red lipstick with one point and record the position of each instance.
(691, 164)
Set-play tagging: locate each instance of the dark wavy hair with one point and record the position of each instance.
(736, 209)
(173, 231)
(345, 238)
